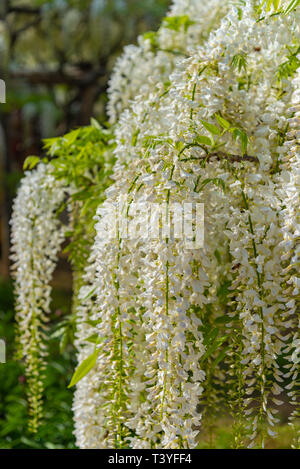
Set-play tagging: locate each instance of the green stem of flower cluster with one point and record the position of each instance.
(259, 283)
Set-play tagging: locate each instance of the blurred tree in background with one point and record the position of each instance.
(56, 57)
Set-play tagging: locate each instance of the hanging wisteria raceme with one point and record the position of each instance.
(171, 332)
(290, 225)
(87, 398)
(173, 343)
(37, 235)
(108, 312)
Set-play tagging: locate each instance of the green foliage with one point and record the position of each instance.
(240, 134)
(64, 332)
(223, 122)
(275, 7)
(212, 342)
(294, 4)
(177, 22)
(202, 139)
(271, 3)
(289, 67)
(152, 37)
(212, 144)
(84, 368)
(83, 159)
(239, 61)
(56, 430)
(216, 181)
(31, 162)
(213, 129)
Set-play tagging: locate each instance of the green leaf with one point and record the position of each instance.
(204, 183)
(95, 123)
(204, 140)
(223, 319)
(216, 181)
(58, 333)
(220, 357)
(92, 322)
(177, 22)
(294, 4)
(213, 129)
(277, 5)
(268, 4)
(218, 256)
(89, 294)
(290, 66)
(242, 136)
(84, 368)
(211, 336)
(71, 137)
(213, 347)
(239, 61)
(64, 341)
(219, 183)
(94, 339)
(31, 162)
(30, 442)
(152, 37)
(135, 137)
(223, 122)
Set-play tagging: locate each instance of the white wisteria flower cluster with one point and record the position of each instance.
(206, 110)
(37, 235)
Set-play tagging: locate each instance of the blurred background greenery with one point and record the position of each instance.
(56, 57)
(56, 431)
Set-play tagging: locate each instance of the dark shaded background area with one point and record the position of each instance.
(56, 57)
